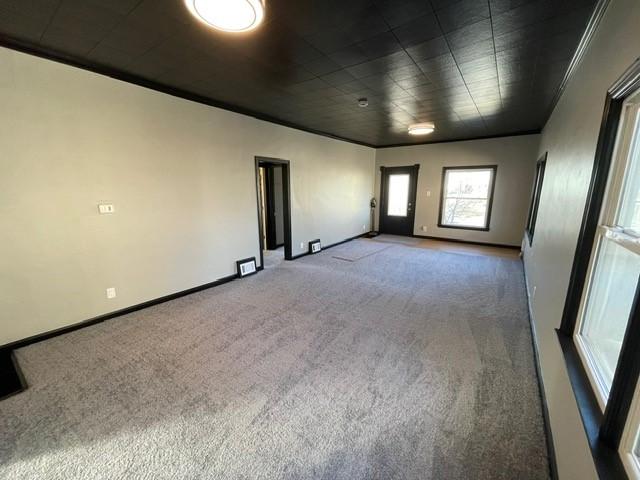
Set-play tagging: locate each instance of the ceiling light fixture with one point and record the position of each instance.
(363, 102)
(228, 15)
(421, 128)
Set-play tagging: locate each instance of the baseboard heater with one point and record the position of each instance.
(315, 246)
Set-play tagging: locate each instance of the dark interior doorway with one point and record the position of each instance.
(398, 199)
(274, 206)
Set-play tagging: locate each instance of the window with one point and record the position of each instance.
(535, 197)
(600, 329)
(466, 197)
(398, 195)
(615, 264)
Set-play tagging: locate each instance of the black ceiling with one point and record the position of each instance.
(475, 68)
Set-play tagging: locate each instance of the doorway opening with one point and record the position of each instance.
(398, 199)
(274, 210)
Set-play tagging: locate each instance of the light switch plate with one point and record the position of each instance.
(111, 292)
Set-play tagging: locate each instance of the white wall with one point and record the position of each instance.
(515, 157)
(570, 137)
(181, 177)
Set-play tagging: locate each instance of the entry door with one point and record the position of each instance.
(398, 199)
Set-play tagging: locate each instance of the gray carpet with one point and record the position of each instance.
(407, 364)
(354, 251)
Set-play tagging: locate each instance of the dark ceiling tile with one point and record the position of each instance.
(307, 86)
(105, 55)
(501, 6)
(407, 71)
(525, 15)
(418, 31)
(412, 82)
(349, 56)
(429, 49)
(380, 65)
(480, 63)
(365, 25)
(26, 20)
(470, 35)
(474, 51)
(338, 78)
(396, 13)
(83, 19)
(442, 62)
(446, 78)
(380, 45)
(322, 66)
(460, 14)
(123, 7)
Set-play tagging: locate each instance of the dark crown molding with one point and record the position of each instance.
(583, 45)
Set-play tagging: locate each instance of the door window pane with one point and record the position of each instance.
(398, 197)
(466, 197)
(611, 294)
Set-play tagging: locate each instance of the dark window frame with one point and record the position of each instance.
(487, 224)
(604, 430)
(541, 165)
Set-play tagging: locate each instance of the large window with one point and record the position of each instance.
(535, 197)
(466, 197)
(615, 264)
(600, 329)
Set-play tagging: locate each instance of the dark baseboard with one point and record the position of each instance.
(470, 242)
(11, 379)
(325, 247)
(553, 464)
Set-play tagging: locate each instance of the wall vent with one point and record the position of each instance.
(246, 267)
(315, 246)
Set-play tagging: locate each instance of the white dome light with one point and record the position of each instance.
(228, 15)
(421, 128)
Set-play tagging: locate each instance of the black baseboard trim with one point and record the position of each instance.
(325, 247)
(553, 463)
(13, 382)
(470, 242)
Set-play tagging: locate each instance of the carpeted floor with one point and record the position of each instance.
(404, 364)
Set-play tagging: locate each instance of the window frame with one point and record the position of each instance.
(486, 227)
(532, 216)
(631, 439)
(609, 210)
(604, 427)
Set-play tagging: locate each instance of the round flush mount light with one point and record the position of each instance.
(421, 128)
(363, 102)
(228, 15)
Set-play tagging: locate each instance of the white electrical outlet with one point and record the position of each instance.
(111, 292)
(423, 228)
(428, 193)
(533, 294)
(105, 208)
(364, 228)
(302, 245)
